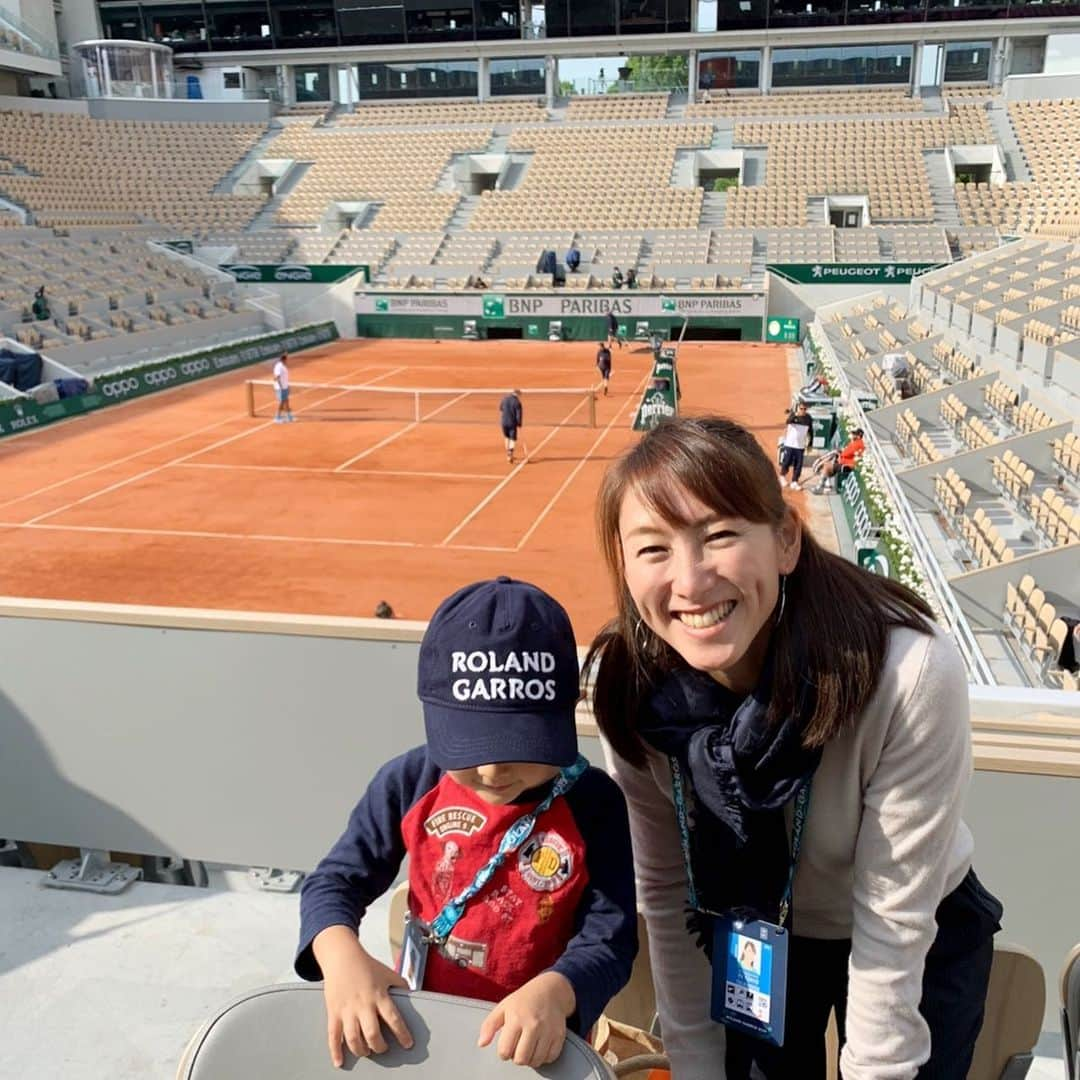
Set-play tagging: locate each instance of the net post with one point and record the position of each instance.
(250, 388)
(592, 408)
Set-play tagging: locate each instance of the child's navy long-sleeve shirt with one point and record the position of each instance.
(564, 901)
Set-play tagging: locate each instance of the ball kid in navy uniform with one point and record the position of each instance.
(549, 931)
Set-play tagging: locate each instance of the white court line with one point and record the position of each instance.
(581, 464)
(506, 480)
(397, 435)
(185, 457)
(200, 534)
(349, 472)
(146, 450)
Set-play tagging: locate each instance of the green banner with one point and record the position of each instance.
(661, 397)
(293, 273)
(850, 273)
(20, 414)
(784, 330)
(494, 306)
(870, 552)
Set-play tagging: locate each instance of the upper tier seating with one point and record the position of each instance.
(878, 158)
(449, 112)
(82, 170)
(805, 103)
(617, 107)
(607, 178)
(363, 166)
(1048, 133)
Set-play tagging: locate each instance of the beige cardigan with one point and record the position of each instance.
(884, 843)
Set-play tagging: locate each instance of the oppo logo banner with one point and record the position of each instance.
(194, 367)
(160, 377)
(120, 387)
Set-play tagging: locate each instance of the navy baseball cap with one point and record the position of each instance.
(499, 678)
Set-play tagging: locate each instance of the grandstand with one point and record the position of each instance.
(981, 441)
(302, 138)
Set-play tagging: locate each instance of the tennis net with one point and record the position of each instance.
(541, 406)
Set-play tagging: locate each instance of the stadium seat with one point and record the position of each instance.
(1070, 1012)
(1015, 1002)
(279, 1033)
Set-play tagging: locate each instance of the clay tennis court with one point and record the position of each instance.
(183, 499)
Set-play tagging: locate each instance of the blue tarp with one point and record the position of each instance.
(22, 370)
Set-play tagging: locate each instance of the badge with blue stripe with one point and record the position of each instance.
(750, 976)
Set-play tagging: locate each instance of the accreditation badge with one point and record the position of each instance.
(749, 987)
(414, 950)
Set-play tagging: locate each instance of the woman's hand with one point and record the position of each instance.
(532, 1020)
(357, 992)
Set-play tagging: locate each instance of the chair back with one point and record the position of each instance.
(1015, 1003)
(279, 1033)
(1070, 1012)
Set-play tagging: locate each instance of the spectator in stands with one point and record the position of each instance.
(510, 419)
(603, 363)
(631, 278)
(573, 259)
(795, 440)
(616, 278)
(613, 337)
(747, 666)
(281, 388)
(841, 463)
(40, 305)
(511, 837)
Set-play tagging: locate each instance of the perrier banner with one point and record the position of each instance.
(661, 397)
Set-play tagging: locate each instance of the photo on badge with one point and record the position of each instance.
(750, 977)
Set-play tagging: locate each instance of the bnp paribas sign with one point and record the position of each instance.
(292, 273)
(890, 273)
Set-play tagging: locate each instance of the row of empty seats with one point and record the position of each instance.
(449, 112)
(1067, 453)
(1047, 131)
(878, 158)
(805, 103)
(1013, 476)
(951, 493)
(617, 107)
(984, 543)
(165, 172)
(1033, 621)
(913, 442)
(1054, 518)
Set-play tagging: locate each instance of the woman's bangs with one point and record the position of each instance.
(728, 487)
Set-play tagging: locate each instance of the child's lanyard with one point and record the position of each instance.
(802, 806)
(443, 923)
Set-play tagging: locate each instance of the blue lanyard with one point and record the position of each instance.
(802, 808)
(443, 923)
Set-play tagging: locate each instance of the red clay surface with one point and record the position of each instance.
(182, 499)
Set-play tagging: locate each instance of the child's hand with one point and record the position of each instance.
(533, 1020)
(358, 1002)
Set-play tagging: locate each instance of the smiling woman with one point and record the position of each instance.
(746, 667)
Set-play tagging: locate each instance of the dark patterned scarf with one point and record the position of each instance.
(742, 771)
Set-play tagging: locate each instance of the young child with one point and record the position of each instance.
(551, 933)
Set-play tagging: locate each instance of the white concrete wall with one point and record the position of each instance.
(1042, 87)
(78, 21)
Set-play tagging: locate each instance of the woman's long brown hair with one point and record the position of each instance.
(834, 629)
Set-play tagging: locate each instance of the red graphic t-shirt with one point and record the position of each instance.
(522, 920)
